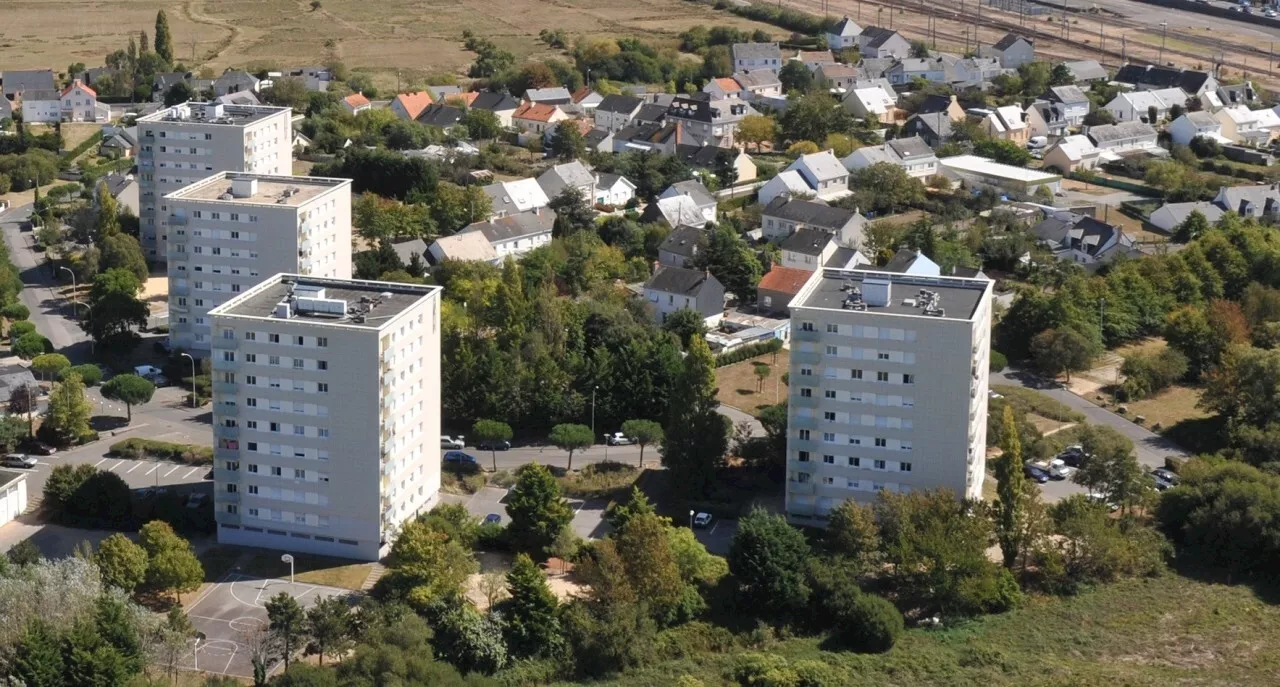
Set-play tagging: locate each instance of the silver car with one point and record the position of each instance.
(18, 460)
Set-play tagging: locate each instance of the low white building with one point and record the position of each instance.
(843, 35)
(514, 197)
(911, 154)
(44, 107)
(1195, 124)
(614, 189)
(1169, 216)
(514, 235)
(672, 289)
(787, 183)
(13, 495)
(1012, 51)
(823, 173)
(1242, 125)
(979, 171)
(1071, 154)
(1125, 137)
(1137, 106)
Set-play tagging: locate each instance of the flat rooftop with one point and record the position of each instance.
(9, 476)
(257, 189)
(336, 302)
(957, 296)
(213, 113)
(987, 167)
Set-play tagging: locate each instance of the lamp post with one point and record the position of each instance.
(288, 559)
(193, 378)
(690, 519)
(75, 295)
(593, 412)
(1164, 35)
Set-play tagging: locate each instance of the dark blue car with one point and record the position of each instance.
(458, 457)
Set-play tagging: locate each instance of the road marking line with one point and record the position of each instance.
(100, 462)
(135, 467)
(171, 471)
(153, 468)
(713, 528)
(191, 472)
(113, 467)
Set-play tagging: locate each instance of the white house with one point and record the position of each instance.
(1083, 240)
(1136, 106)
(515, 235)
(1169, 216)
(758, 83)
(537, 118)
(1012, 51)
(80, 104)
(843, 35)
(13, 494)
(1124, 137)
(615, 112)
(1242, 125)
(614, 189)
(908, 69)
(356, 103)
(787, 183)
(823, 173)
(1071, 101)
(876, 42)
(785, 216)
(1194, 124)
(568, 175)
(748, 56)
(701, 199)
(671, 289)
(41, 106)
(874, 102)
(514, 197)
(911, 154)
(408, 106)
(1072, 153)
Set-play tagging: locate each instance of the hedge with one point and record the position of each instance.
(79, 150)
(748, 351)
(998, 361)
(190, 454)
(786, 18)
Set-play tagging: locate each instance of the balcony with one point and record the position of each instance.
(805, 335)
(180, 255)
(800, 488)
(226, 410)
(220, 497)
(223, 343)
(806, 357)
(177, 220)
(224, 453)
(225, 432)
(226, 387)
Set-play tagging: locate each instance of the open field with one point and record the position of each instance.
(1166, 631)
(380, 37)
(738, 383)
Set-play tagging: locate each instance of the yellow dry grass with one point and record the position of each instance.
(738, 383)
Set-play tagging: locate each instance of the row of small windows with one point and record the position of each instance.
(877, 442)
(858, 462)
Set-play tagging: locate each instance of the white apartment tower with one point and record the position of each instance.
(232, 230)
(185, 143)
(326, 413)
(888, 388)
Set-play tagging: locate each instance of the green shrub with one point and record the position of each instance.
(20, 329)
(748, 351)
(138, 447)
(15, 312)
(868, 623)
(89, 373)
(998, 361)
(1031, 401)
(599, 480)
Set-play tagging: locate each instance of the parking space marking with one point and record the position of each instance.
(153, 468)
(113, 467)
(135, 467)
(171, 471)
(713, 527)
(100, 462)
(190, 473)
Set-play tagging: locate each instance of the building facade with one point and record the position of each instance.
(185, 143)
(889, 388)
(229, 232)
(326, 413)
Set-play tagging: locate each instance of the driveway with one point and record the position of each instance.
(50, 313)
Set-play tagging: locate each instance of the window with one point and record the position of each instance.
(273, 360)
(828, 480)
(322, 342)
(829, 460)
(878, 465)
(803, 477)
(275, 471)
(231, 489)
(250, 336)
(253, 467)
(273, 338)
(881, 442)
(831, 350)
(322, 364)
(299, 473)
(806, 372)
(855, 462)
(833, 328)
(275, 426)
(904, 467)
(298, 363)
(908, 379)
(297, 341)
(251, 357)
(828, 436)
(323, 432)
(802, 456)
(806, 326)
(806, 392)
(299, 430)
(855, 374)
(253, 446)
(829, 416)
(228, 356)
(322, 387)
(882, 376)
(231, 508)
(231, 464)
(253, 488)
(829, 393)
(882, 355)
(804, 435)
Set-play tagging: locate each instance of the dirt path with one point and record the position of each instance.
(235, 35)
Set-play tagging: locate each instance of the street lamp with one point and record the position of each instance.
(75, 295)
(690, 519)
(1164, 35)
(593, 412)
(193, 378)
(288, 559)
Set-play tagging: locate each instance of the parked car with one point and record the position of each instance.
(1167, 475)
(18, 460)
(702, 520)
(41, 449)
(620, 439)
(196, 500)
(1040, 475)
(494, 445)
(1058, 469)
(1037, 142)
(459, 457)
(1072, 455)
(447, 441)
(493, 518)
(152, 492)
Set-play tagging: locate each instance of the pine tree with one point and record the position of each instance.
(164, 40)
(108, 214)
(697, 436)
(530, 623)
(1011, 492)
(37, 659)
(144, 44)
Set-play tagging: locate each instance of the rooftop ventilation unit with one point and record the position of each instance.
(309, 291)
(283, 310)
(244, 187)
(877, 292)
(321, 306)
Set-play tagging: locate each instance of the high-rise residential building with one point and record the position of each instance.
(232, 230)
(888, 388)
(185, 143)
(326, 413)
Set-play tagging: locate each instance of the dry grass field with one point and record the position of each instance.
(381, 36)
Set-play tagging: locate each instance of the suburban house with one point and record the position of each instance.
(536, 118)
(748, 56)
(843, 35)
(785, 216)
(677, 211)
(1261, 201)
(1070, 101)
(122, 187)
(676, 288)
(1195, 124)
(239, 98)
(681, 246)
(1237, 94)
(981, 172)
(16, 82)
(808, 249)
(707, 122)
(615, 112)
(1152, 78)
(1007, 123)
(500, 104)
(1086, 71)
(1125, 137)
(1170, 216)
(948, 105)
(515, 235)
(614, 189)
(911, 154)
(469, 246)
(1083, 240)
(908, 69)
(117, 141)
(874, 102)
(838, 78)
(440, 115)
(723, 88)
(41, 106)
(877, 42)
(584, 100)
(787, 184)
(778, 287)
(549, 96)
(514, 197)
(707, 159)
(1137, 106)
(1046, 119)
(758, 83)
(356, 103)
(1012, 51)
(934, 127)
(573, 175)
(647, 137)
(80, 104)
(972, 72)
(702, 200)
(1252, 127)
(1071, 154)
(234, 81)
(814, 58)
(823, 173)
(907, 261)
(406, 249)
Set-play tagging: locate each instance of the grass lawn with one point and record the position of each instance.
(738, 383)
(1166, 631)
(1032, 401)
(1168, 408)
(311, 569)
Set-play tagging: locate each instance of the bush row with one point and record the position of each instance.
(786, 18)
(79, 150)
(1228, 169)
(138, 447)
(748, 351)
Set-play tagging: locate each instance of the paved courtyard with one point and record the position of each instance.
(232, 613)
(588, 516)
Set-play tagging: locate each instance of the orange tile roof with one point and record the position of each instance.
(784, 279)
(462, 99)
(728, 84)
(579, 94)
(535, 112)
(414, 103)
(356, 100)
(77, 82)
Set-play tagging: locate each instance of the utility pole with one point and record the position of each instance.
(1124, 49)
(1102, 38)
(1164, 35)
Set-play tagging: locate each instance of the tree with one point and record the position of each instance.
(179, 93)
(1188, 331)
(25, 552)
(696, 436)
(529, 617)
(122, 563)
(643, 432)
(647, 557)
(289, 624)
(757, 129)
(1191, 228)
(115, 308)
(50, 365)
(130, 390)
(761, 371)
(731, 261)
(538, 512)
(852, 534)
(883, 188)
(1011, 491)
(108, 217)
(482, 125)
(768, 558)
(330, 625)
(38, 657)
(164, 40)
(12, 431)
(173, 564)
(1004, 152)
(122, 251)
(685, 323)
(573, 213)
(567, 142)
(429, 563)
(571, 437)
(30, 345)
(69, 410)
(1110, 466)
(1056, 351)
(795, 77)
(493, 432)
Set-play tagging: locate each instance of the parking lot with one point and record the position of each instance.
(588, 516)
(232, 614)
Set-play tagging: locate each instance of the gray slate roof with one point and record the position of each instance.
(1065, 95)
(551, 96)
(494, 102)
(756, 51)
(911, 149)
(878, 36)
(406, 249)
(684, 241)
(1086, 70)
(680, 280)
(515, 226)
(20, 80)
(696, 191)
(1008, 41)
(441, 115)
(1106, 133)
(808, 212)
(808, 241)
(619, 104)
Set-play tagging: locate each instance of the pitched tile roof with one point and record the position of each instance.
(535, 112)
(414, 103)
(356, 100)
(83, 87)
(784, 280)
(728, 84)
